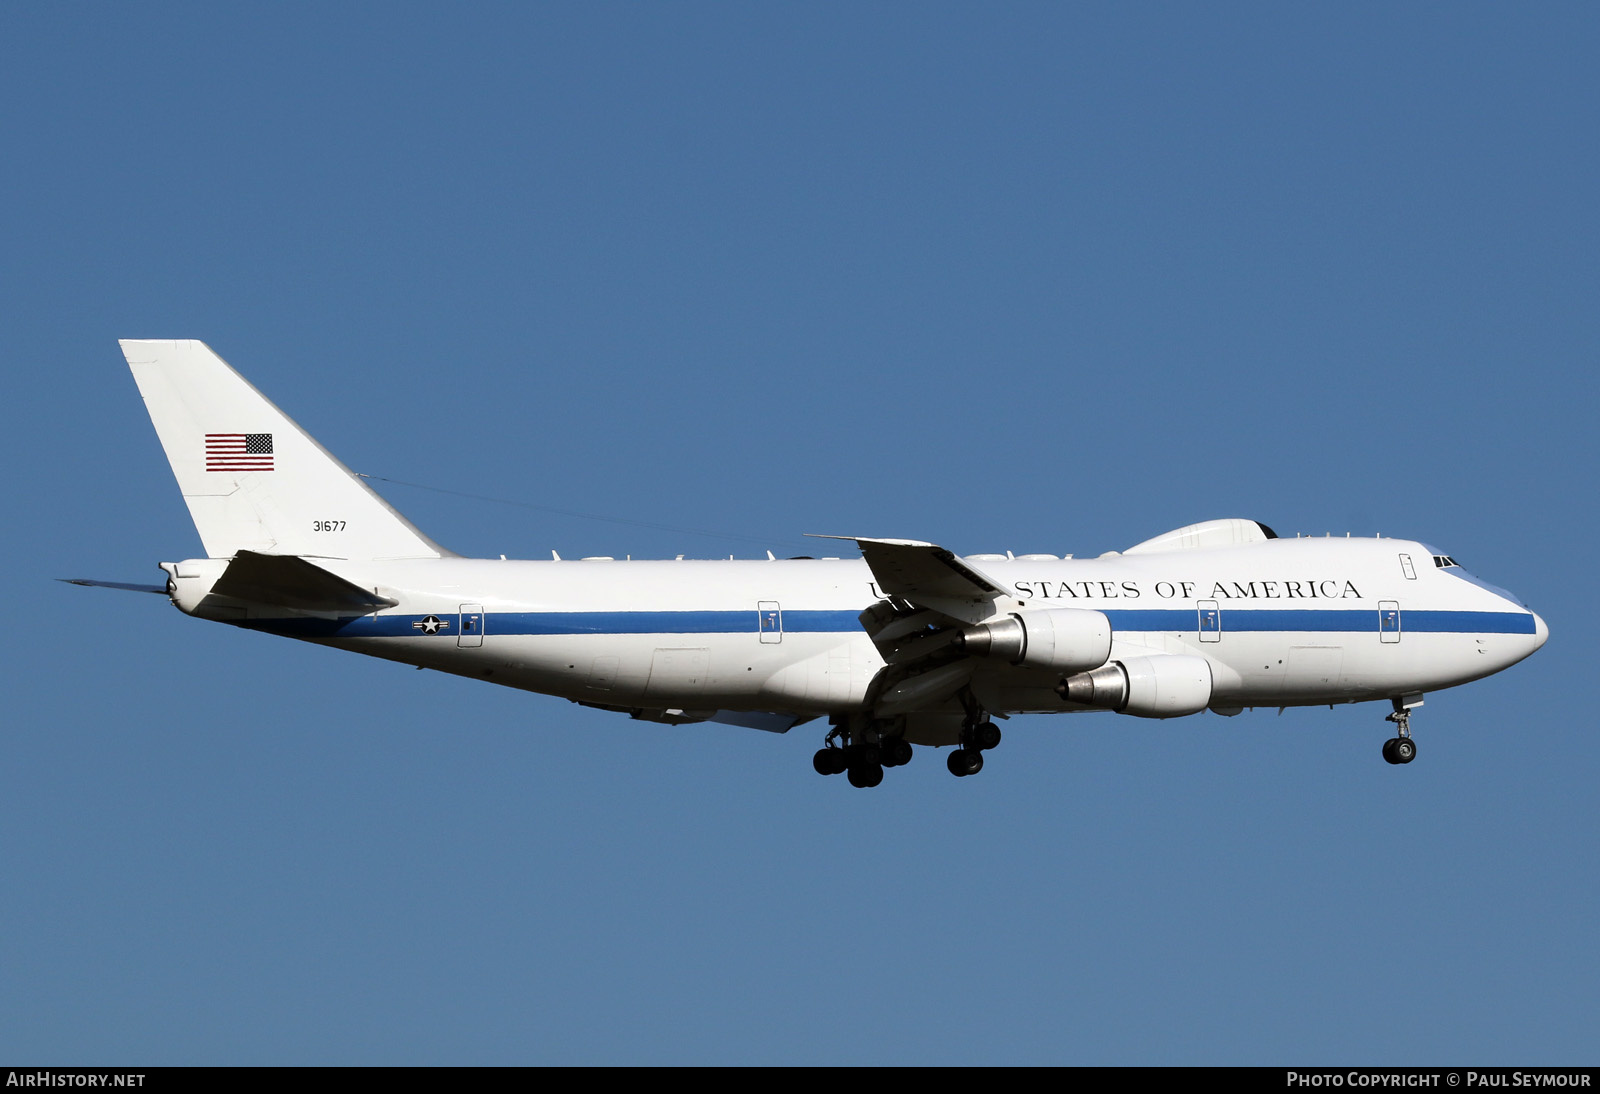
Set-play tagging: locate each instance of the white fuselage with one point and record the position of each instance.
(1282, 622)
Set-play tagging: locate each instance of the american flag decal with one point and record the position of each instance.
(238, 451)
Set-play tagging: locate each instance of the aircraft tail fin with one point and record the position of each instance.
(252, 478)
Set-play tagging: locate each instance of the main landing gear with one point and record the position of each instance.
(860, 748)
(1401, 749)
(978, 735)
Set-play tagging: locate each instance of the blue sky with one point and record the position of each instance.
(1040, 278)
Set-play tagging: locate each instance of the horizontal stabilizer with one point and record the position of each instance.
(289, 582)
(128, 585)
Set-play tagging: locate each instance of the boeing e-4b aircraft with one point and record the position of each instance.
(908, 646)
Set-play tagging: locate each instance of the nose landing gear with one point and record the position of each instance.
(1401, 749)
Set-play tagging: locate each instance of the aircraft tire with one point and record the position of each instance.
(1388, 750)
(864, 776)
(964, 761)
(862, 756)
(828, 761)
(1405, 750)
(896, 752)
(986, 736)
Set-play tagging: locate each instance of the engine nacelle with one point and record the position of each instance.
(1166, 685)
(1063, 639)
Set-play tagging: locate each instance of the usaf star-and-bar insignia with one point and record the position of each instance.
(430, 624)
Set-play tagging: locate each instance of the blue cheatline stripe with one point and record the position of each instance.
(1177, 620)
(1342, 620)
(746, 622)
(546, 623)
(1154, 619)
(1243, 620)
(1470, 622)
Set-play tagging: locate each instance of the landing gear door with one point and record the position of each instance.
(1388, 621)
(470, 632)
(1210, 621)
(769, 621)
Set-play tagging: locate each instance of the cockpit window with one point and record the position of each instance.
(1444, 561)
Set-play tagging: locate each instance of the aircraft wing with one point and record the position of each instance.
(930, 577)
(930, 595)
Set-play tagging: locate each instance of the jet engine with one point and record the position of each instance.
(1064, 639)
(1162, 686)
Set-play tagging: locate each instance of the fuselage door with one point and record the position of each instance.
(1406, 568)
(1388, 621)
(769, 621)
(470, 633)
(677, 674)
(1210, 621)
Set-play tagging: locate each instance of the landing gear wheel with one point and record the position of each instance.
(1399, 750)
(986, 735)
(829, 761)
(865, 775)
(896, 752)
(965, 761)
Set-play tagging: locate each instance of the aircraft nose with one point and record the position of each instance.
(1540, 632)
